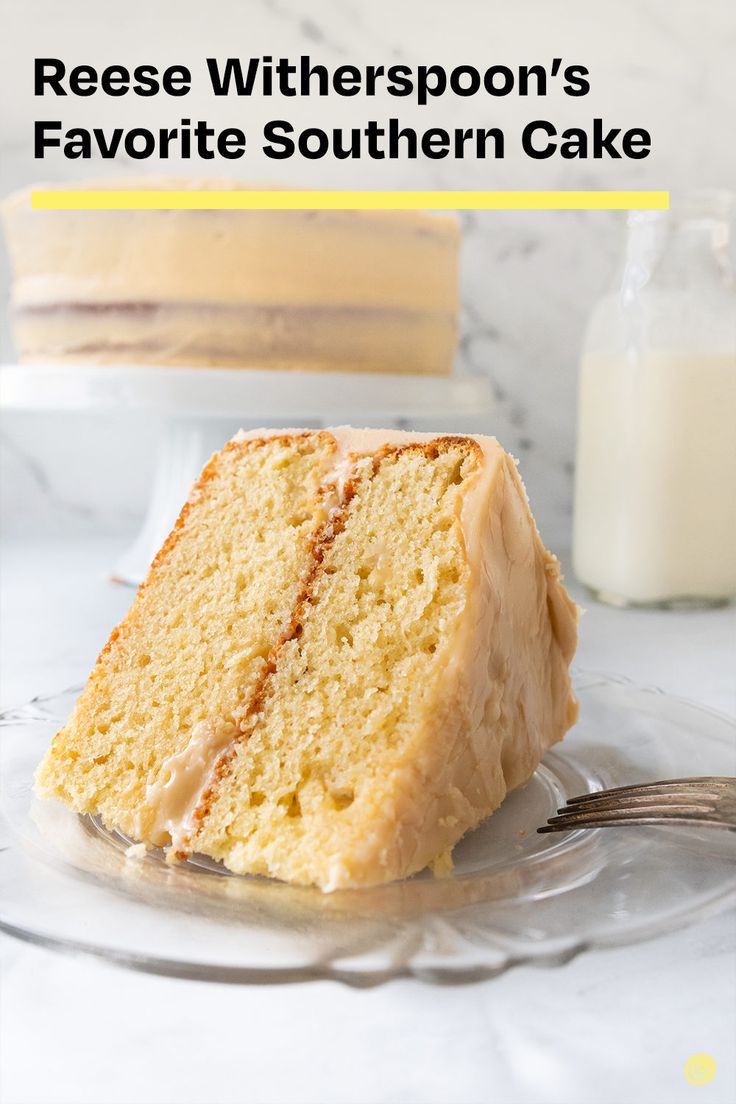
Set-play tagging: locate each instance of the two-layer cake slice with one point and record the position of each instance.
(353, 645)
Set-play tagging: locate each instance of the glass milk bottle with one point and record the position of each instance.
(655, 501)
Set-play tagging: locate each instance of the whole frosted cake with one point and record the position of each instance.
(321, 290)
(349, 650)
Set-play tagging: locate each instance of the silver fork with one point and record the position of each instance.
(705, 801)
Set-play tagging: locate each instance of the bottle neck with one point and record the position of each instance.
(677, 253)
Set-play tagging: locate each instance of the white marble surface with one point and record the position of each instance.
(610, 1026)
(528, 278)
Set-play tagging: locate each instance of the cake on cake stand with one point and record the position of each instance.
(200, 408)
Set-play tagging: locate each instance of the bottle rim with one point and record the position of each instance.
(698, 204)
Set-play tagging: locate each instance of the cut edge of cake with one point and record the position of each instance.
(499, 698)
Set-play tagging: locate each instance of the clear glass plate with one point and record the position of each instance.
(514, 896)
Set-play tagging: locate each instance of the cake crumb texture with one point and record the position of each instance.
(353, 684)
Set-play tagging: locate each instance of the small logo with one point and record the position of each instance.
(700, 1069)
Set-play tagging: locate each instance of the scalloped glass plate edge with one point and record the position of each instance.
(501, 909)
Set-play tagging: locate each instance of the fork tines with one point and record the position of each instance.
(669, 785)
(701, 800)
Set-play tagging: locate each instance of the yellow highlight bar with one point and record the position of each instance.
(346, 201)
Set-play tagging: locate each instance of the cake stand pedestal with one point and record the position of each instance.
(200, 408)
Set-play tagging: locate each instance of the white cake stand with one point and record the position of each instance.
(200, 408)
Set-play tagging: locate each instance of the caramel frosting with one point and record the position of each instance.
(173, 796)
(366, 259)
(506, 695)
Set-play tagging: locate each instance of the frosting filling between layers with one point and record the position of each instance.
(176, 797)
(359, 338)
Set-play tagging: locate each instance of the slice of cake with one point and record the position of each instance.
(350, 648)
(321, 290)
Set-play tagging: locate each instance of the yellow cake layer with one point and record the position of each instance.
(400, 664)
